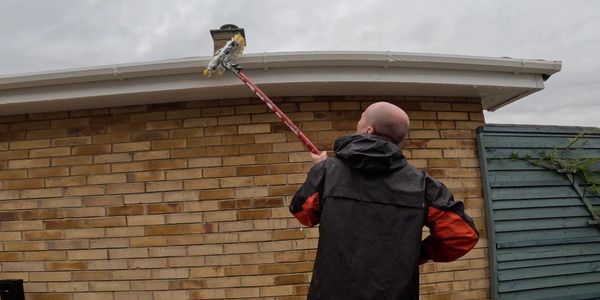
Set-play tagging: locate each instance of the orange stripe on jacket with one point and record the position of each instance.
(451, 236)
(310, 213)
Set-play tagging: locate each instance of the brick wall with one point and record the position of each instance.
(189, 200)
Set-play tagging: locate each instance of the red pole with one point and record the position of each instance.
(311, 147)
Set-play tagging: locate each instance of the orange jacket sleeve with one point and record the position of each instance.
(306, 203)
(452, 231)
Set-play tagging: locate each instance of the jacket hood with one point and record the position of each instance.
(369, 153)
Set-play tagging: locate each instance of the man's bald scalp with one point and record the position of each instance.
(387, 120)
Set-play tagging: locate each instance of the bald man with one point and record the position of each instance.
(372, 206)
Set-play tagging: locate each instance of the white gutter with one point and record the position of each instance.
(497, 81)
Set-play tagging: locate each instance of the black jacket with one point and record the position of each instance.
(372, 206)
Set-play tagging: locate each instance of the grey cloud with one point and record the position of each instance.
(57, 34)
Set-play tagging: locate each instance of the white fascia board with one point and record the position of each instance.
(496, 81)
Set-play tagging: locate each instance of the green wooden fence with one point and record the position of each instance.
(543, 243)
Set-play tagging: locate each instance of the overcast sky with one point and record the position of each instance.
(38, 35)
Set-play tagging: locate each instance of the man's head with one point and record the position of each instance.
(384, 119)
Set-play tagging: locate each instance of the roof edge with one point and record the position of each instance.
(282, 60)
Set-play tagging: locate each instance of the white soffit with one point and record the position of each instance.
(497, 81)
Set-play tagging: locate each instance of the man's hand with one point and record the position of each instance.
(317, 158)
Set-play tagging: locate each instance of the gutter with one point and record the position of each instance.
(267, 61)
(496, 81)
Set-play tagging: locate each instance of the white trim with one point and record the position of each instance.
(497, 81)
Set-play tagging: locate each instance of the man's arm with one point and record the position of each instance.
(306, 203)
(452, 232)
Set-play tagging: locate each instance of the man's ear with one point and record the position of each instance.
(370, 130)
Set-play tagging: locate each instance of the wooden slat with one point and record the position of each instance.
(546, 282)
(541, 142)
(555, 261)
(534, 153)
(548, 251)
(546, 271)
(540, 213)
(492, 129)
(574, 292)
(554, 223)
(547, 237)
(516, 193)
(537, 203)
(509, 164)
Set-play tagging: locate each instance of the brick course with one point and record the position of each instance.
(188, 200)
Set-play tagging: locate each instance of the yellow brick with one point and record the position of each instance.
(148, 263)
(200, 122)
(435, 106)
(87, 254)
(125, 188)
(255, 236)
(111, 264)
(85, 190)
(239, 160)
(110, 286)
(184, 174)
(91, 149)
(170, 295)
(72, 160)
(7, 155)
(467, 107)
(148, 116)
(167, 251)
(276, 290)
(460, 153)
(162, 186)
(94, 296)
(108, 178)
(83, 170)
(131, 167)
(242, 292)
(131, 274)
(208, 294)
(143, 198)
(71, 122)
(111, 158)
(150, 155)
(251, 192)
(169, 144)
(23, 184)
(42, 193)
(32, 144)
(50, 276)
(72, 141)
(50, 152)
(145, 220)
(288, 147)
(422, 115)
(128, 253)
(168, 164)
(109, 243)
(275, 179)
(111, 138)
(235, 119)
(170, 273)
(470, 274)
(28, 163)
(65, 181)
(157, 125)
(130, 147)
(7, 195)
(61, 202)
(64, 266)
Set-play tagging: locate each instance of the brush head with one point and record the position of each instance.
(228, 53)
